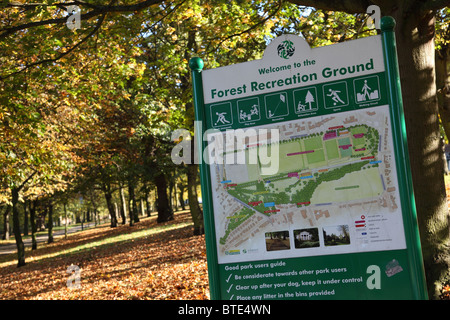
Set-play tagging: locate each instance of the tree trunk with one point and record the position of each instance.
(41, 218)
(132, 205)
(130, 212)
(415, 46)
(165, 212)
(6, 223)
(65, 220)
(50, 223)
(147, 203)
(32, 207)
(171, 187)
(181, 188)
(16, 222)
(123, 204)
(141, 202)
(94, 205)
(116, 209)
(109, 204)
(25, 222)
(194, 206)
(175, 196)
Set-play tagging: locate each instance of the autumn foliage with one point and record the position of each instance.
(165, 265)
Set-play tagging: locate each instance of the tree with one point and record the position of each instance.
(17, 234)
(32, 206)
(155, 155)
(50, 222)
(309, 98)
(211, 30)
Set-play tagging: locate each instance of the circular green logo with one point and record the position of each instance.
(286, 49)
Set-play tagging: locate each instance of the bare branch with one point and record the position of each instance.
(26, 180)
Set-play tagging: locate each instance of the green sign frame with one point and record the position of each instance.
(373, 274)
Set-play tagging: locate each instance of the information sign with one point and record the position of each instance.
(305, 176)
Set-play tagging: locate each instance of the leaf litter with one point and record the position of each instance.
(168, 265)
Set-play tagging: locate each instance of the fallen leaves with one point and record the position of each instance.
(166, 265)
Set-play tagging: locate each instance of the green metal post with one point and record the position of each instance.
(403, 166)
(196, 65)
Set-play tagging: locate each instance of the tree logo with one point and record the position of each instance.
(286, 49)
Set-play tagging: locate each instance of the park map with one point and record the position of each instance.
(335, 191)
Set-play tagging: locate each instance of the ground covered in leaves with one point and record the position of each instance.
(162, 262)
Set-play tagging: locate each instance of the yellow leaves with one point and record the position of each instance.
(135, 67)
(188, 13)
(445, 292)
(240, 51)
(270, 24)
(192, 13)
(170, 30)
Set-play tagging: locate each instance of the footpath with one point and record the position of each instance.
(9, 248)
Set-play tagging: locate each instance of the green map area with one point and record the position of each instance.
(336, 165)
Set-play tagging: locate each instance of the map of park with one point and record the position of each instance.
(326, 164)
(307, 163)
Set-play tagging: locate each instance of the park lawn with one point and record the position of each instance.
(146, 261)
(292, 162)
(354, 185)
(332, 149)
